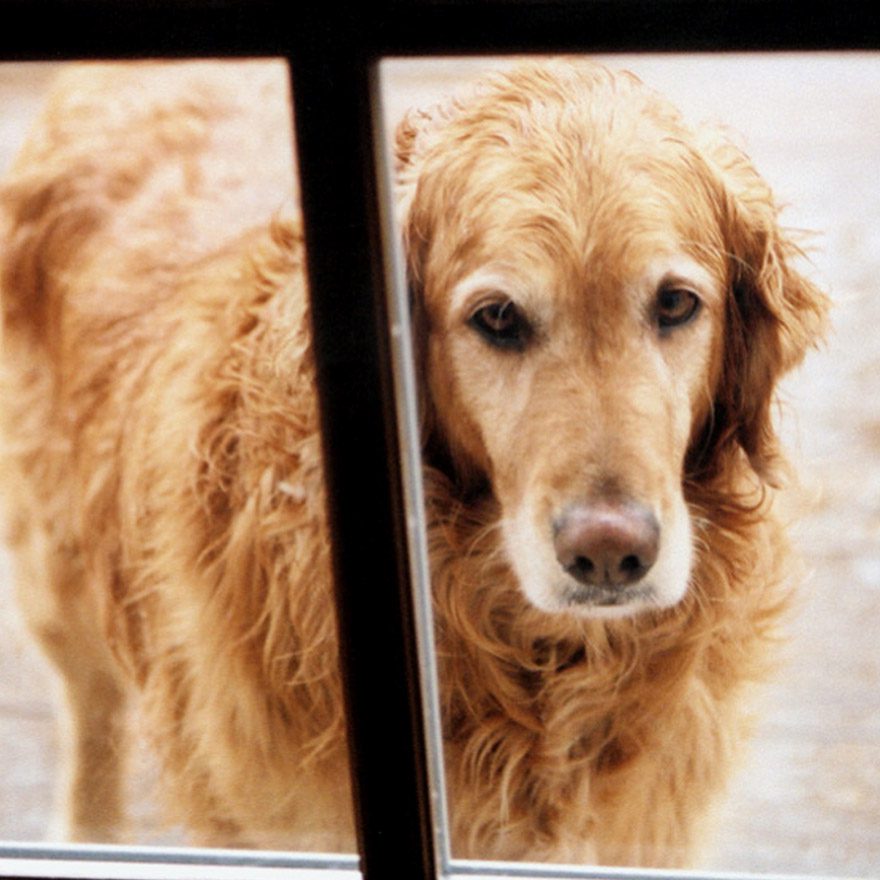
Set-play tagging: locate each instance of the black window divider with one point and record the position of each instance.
(333, 91)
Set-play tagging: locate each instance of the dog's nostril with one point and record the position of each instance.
(583, 566)
(607, 544)
(631, 563)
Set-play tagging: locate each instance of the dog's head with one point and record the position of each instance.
(605, 302)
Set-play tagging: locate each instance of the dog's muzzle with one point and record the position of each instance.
(606, 546)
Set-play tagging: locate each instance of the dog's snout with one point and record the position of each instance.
(606, 544)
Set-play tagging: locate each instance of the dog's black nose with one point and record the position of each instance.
(607, 544)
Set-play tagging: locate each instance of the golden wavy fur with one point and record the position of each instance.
(604, 303)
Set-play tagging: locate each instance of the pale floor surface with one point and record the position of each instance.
(807, 799)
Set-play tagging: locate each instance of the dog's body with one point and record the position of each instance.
(604, 303)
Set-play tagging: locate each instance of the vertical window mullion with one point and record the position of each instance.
(331, 87)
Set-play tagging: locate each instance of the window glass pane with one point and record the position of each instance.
(615, 333)
(164, 501)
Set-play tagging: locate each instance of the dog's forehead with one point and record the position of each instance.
(603, 244)
(574, 201)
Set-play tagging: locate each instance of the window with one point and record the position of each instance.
(333, 66)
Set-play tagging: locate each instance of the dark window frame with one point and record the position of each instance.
(333, 51)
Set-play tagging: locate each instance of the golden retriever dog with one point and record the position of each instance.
(604, 302)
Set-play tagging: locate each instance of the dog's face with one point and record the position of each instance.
(576, 263)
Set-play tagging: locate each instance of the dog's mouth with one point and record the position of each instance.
(596, 597)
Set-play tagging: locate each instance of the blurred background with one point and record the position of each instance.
(807, 798)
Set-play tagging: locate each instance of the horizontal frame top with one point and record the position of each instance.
(172, 28)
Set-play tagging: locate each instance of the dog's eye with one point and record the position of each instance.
(676, 306)
(502, 324)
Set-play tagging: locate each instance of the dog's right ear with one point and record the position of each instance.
(429, 169)
(416, 201)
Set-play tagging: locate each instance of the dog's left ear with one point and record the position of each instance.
(774, 313)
